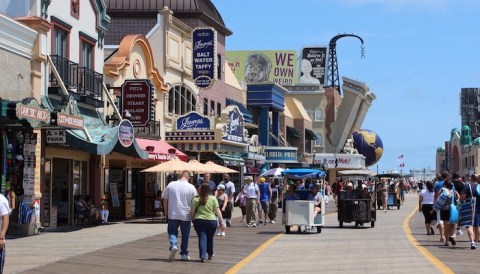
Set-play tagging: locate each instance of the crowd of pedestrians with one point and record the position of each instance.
(452, 203)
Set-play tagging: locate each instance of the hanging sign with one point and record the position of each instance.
(204, 57)
(136, 100)
(126, 133)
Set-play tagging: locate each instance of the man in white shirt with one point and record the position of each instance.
(230, 191)
(177, 200)
(253, 194)
(4, 221)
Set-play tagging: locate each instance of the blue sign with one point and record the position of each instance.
(281, 154)
(204, 56)
(193, 121)
(233, 128)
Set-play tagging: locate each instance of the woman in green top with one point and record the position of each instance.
(204, 213)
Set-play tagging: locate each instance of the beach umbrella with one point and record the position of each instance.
(211, 167)
(176, 165)
(274, 172)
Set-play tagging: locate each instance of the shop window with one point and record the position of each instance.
(87, 53)
(219, 109)
(319, 141)
(219, 66)
(318, 114)
(60, 42)
(181, 100)
(205, 106)
(212, 108)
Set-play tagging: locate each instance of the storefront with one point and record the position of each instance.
(21, 159)
(223, 143)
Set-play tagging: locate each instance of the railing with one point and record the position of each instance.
(67, 70)
(90, 83)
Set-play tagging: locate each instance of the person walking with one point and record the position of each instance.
(425, 205)
(472, 190)
(177, 200)
(439, 185)
(241, 200)
(5, 211)
(253, 193)
(265, 198)
(230, 191)
(204, 212)
(223, 204)
(272, 208)
(448, 228)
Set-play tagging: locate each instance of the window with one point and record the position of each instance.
(219, 66)
(219, 109)
(205, 106)
(87, 53)
(318, 114)
(212, 108)
(319, 141)
(181, 100)
(60, 42)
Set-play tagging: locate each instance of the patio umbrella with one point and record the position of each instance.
(175, 165)
(211, 167)
(274, 172)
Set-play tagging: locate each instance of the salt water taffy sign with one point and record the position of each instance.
(204, 57)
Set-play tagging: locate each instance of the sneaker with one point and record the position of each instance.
(459, 232)
(223, 233)
(473, 246)
(254, 225)
(218, 233)
(452, 240)
(173, 252)
(185, 258)
(260, 222)
(211, 256)
(273, 221)
(202, 260)
(229, 224)
(264, 223)
(432, 231)
(249, 225)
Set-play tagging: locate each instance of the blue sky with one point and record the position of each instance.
(418, 55)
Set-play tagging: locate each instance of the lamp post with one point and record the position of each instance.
(424, 171)
(377, 169)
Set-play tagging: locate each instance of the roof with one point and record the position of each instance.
(296, 109)
(182, 9)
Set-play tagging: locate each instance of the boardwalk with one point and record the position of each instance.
(141, 247)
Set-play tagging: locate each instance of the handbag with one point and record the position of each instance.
(467, 209)
(442, 201)
(453, 210)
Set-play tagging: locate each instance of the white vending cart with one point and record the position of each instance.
(301, 213)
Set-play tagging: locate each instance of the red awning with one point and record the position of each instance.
(159, 150)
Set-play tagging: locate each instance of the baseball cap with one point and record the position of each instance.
(262, 180)
(349, 185)
(221, 186)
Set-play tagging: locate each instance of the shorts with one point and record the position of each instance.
(427, 213)
(476, 221)
(264, 206)
(445, 215)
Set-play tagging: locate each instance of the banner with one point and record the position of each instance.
(278, 66)
(204, 57)
(313, 66)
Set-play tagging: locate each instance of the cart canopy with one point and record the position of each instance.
(303, 173)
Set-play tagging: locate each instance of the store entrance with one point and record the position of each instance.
(61, 190)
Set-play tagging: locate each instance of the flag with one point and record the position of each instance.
(402, 165)
(400, 157)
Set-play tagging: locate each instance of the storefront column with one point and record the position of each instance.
(275, 127)
(264, 127)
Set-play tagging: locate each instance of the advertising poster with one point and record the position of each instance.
(313, 66)
(204, 57)
(278, 66)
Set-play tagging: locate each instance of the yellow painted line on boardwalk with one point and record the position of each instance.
(434, 260)
(252, 255)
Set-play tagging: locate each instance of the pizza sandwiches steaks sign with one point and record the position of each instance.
(137, 100)
(204, 57)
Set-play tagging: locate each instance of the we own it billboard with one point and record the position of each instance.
(278, 66)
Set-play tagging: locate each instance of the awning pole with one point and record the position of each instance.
(64, 90)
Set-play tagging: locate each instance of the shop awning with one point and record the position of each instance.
(103, 137)
(230, 160)
(159, 150)
(310, 135)
(292, 132)
(247, 115)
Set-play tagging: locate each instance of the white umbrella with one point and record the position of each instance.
(211, 167)
(274, 172)
(176, 165)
